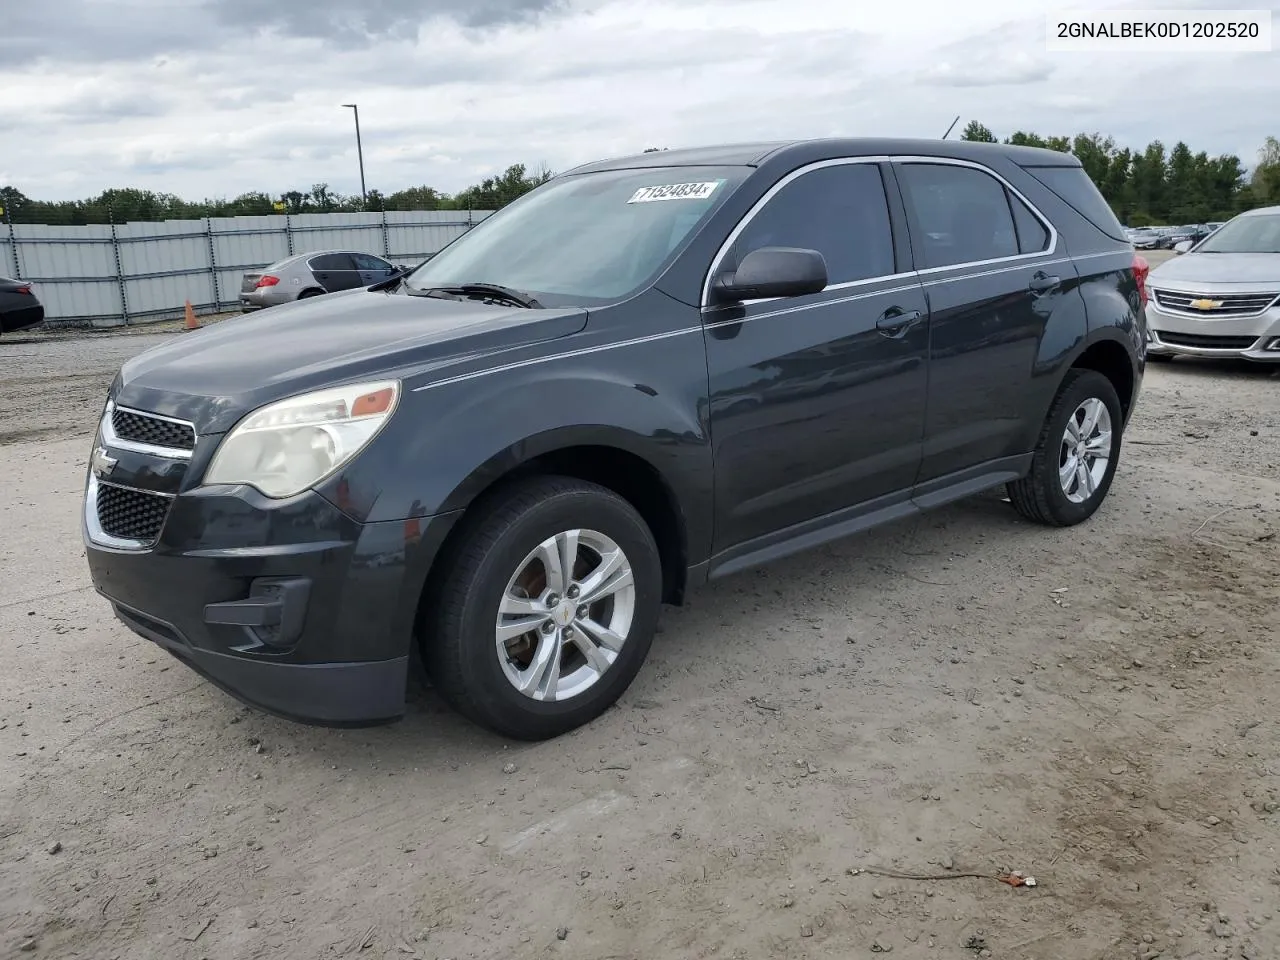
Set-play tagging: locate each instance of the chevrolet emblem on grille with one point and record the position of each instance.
(102, 463)
(1205, 304)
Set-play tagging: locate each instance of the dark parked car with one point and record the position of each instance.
(647, 373)
(1194, 232)
(311, 275)
(19, 306)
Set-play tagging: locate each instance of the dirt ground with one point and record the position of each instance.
(965, 692)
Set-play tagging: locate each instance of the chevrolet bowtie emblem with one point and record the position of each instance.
(1205, 304)
(102, 463)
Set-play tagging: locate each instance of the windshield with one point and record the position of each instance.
(1257, 234)
(587, 239)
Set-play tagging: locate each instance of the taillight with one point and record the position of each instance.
(26, 290)
(1140, 270)
(266, 281)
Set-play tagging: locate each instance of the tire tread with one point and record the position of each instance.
(1030, 494)
(489, 520)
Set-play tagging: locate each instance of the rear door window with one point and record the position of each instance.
(365, 261)
(1033, 236)
(329, 262)
(840, 211)
(961, 214)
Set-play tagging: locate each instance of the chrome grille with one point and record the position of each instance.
(1215, 306)
(142, 428)
(131, 514)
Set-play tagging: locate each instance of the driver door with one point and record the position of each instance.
(817, 403)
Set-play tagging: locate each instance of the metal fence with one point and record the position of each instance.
(112, 274)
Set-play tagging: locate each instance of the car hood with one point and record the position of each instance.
(215, 376)
(1228, 270)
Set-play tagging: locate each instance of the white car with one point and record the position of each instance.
(1220, 297)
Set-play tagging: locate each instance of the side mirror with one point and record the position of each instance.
(1182, 246)
(772, 272)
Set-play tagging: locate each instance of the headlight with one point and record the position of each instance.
(288, 446)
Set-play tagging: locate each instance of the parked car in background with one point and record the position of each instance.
(1193, 232)
(1222, 298)
(19, 306)
(312, 275)
(647, 373)
(1143, 238)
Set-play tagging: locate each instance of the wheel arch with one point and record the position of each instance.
(610, 458)
(1111, 357)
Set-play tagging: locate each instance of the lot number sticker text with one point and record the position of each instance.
(675, 191)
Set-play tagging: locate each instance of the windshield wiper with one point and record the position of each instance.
(494, 291)
(442, 293)
(483, 291)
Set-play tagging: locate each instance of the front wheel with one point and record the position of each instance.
(1076, 455)
(548, 608)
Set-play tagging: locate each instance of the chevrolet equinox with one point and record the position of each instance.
(645, 374)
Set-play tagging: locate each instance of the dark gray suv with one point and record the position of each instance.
(645, 374)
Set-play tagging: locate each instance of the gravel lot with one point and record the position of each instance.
(960, 693)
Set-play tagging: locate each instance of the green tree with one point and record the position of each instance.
(976, 132)
(1095, 153)
(1266, 175)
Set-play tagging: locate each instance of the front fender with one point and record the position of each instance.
(449, 441)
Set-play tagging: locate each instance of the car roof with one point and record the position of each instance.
(1261, 211)
(754, 154)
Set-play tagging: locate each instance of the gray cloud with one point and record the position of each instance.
(343, 23)
(122, 30)
(1010, 54)
(216, 97)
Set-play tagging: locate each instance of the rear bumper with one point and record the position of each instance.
(290, 606)
(12, 321)
(260, 299)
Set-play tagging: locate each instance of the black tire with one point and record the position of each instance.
(459, 643)
(305, 294)
(1039, 495)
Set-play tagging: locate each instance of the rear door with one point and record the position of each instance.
(372, 269)
(335, 271)
(992, 271)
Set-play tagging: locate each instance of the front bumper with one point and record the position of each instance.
(1175, 333)
(290, 605)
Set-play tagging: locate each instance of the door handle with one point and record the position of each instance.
(893, 323)
(1043, 283)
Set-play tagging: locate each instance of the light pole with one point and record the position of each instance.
(364, 194)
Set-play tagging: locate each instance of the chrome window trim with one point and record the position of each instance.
(722, 252)
(1048, 251)
(756, 207)
(111, 439)
(100, 537)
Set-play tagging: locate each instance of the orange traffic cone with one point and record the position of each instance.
(189, 319)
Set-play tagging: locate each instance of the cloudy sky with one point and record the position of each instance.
(217, 97)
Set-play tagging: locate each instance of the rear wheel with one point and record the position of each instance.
(310, 293)
(1076, 455)
(548, 609)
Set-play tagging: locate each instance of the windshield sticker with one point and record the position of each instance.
(675, 191)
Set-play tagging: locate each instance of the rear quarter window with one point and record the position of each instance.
(1074, 188)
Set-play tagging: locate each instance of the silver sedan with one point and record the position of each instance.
(1220, 297)
(311, 275)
